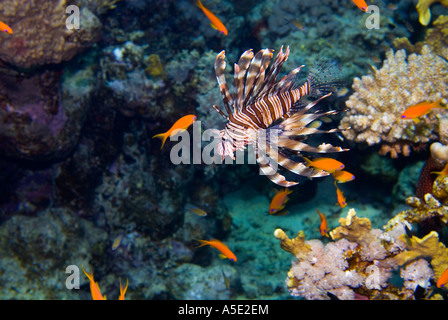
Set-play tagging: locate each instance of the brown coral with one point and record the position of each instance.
(41, 35)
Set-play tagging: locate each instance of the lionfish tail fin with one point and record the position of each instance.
(325, 77)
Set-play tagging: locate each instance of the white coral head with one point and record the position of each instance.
(439, 152)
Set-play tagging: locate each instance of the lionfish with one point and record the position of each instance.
(259, 104)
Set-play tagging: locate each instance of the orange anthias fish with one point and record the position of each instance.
(420, 109)
(279, 201)
(123, 290)
(94, 287)
(343, 176)
(225, 251)
(215, 22)
(323, 224)
(341, 199)
(180, 125)
(5, 27)
(361, 4)
(443, 279)
(327, 164)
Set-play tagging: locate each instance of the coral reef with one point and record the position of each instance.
(360, 262)
(82, 183)
(380, 99)
(327, 29)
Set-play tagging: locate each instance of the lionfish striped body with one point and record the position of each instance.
(258, 101)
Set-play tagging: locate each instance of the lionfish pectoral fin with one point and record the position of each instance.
(325, 76)
(221, 113)
(269, 171)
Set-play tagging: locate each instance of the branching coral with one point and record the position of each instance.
(381, 98)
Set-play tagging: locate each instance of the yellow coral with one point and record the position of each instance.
(352, 228)
(427, 247)
(296, 246)
(424, 14)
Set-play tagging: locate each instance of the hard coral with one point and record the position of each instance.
(41, 35)
(381, 98)
(295, 246)
(423, 10)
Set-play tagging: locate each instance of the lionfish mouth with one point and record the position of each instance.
(270, 114)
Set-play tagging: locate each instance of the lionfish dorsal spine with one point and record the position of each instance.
(239, 77)
(220, 66)
(254, 73)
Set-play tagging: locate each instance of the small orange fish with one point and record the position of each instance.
(225, 251)
(278, 201)
(323, 224)
(5, 27)
(179, 126)
(343, 176)
(361, 4)
(94, 287)
(341, 199)
(123, 290)
(327, 164)
(420, 109)
(443, 279)
(215, 22)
